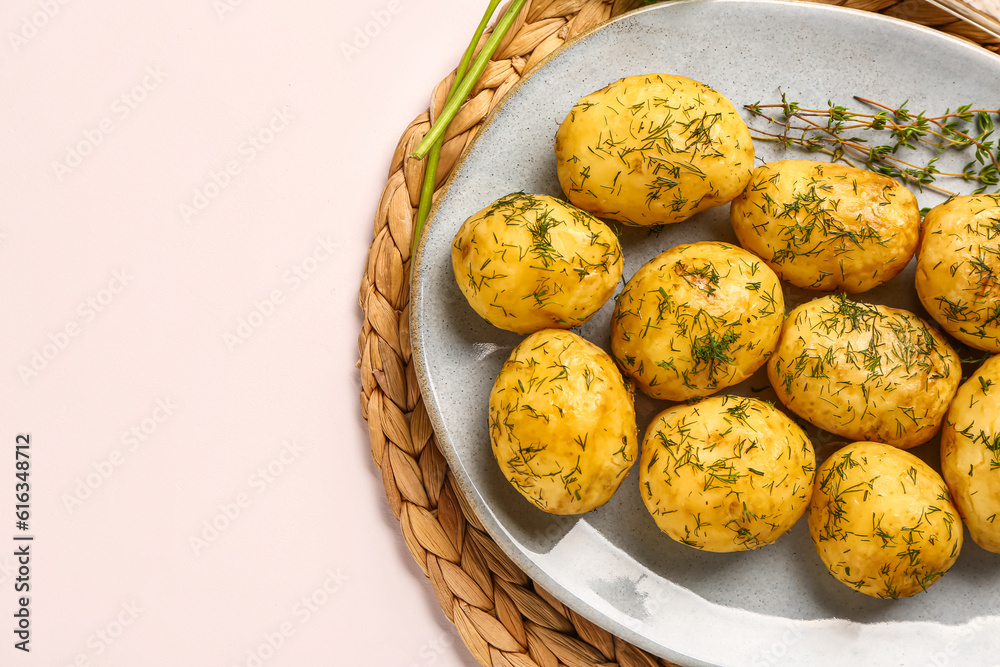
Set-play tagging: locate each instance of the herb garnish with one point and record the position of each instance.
(876, 140)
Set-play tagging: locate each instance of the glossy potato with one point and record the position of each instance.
(725, 474)
(530, 262)
(864, 371)
(695, 319)
(970, 454)
(958, 269)
(652, 149)
(827, 226)
(882, 520)
(562, 423)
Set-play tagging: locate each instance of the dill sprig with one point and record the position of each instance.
(877, 140)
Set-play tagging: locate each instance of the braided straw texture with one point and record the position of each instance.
(504, 619)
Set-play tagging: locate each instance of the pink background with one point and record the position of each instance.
(187, 192)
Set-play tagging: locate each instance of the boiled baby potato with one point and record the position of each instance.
(882, 520)
(970, 453)
(651, 149)
(562, 423)
(958, 269)
(529, 262)
(726, 474)
(864, 371)
(695, 319)
(827, 226)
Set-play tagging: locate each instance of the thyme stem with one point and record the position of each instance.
(831, 131)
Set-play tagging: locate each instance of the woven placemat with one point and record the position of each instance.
(504, 618)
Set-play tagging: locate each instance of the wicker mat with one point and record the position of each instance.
(504, 618)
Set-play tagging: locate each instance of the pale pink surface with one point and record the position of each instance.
(164, 395)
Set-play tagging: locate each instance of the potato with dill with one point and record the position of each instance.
(970, 453)
(528, 262)
(882, 520)
(827, 226)
(653, 149)
(726, 474)
(958, 269)
(562, 423)
(864, 371)
(695, 319)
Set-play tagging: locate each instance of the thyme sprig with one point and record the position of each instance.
(878, 140)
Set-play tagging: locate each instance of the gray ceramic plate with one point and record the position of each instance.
(775, 605)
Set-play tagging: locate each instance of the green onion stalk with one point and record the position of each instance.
(465, 78)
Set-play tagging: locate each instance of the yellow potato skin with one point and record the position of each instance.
(958, 269)
(695, 319)
(827, 226)
(562, 423)
(530, 262)
(882, 520)
(864, 371)
(970, 453)
(652, 149)
(726, 473)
